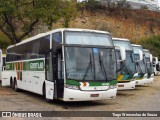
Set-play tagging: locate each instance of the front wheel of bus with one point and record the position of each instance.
(15, 86)
(11, 83)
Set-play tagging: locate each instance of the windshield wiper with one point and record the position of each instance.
(102, 67)
(148, 69)
(138, 66)
(89, 65)
(122, 66)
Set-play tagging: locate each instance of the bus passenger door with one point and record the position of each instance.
(49, 80)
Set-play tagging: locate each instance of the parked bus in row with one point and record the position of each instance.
(127, 68)
(66, 64)
(140, 65)
(149, 66)
(156, 66)
(2, 63)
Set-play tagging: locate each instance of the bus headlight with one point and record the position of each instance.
(71, 86)
(112, 86)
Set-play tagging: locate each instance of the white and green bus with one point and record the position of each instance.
(66, 64)
(127, 68)
(156, 66)
(141, 79)
(149, 65)
(2, 63)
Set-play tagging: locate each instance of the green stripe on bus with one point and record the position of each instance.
(9, 66)
(37, 65)
(74, 82)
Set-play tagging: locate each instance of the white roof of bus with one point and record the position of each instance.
(136, 45)
(120, 39)
(53, 31)
(146, 50)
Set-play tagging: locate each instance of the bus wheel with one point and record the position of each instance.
(15, 86)
(11, 82)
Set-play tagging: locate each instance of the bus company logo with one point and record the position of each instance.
(105, 84)
(7, 66)
(38, 65)
(84, 84)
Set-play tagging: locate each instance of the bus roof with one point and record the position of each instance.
(146, 50)
(136, 45)
(120, 39)
(53, 31)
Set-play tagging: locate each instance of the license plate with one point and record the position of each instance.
(94, 95)
(120, 85)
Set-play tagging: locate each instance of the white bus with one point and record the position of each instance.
(127, 68)
(141, 79)
(2, 63)
(156, 66)
(149, 66)
(66, 64)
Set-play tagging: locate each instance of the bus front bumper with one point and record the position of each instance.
(157, 73)
(78, 95)
(149, 80)
(127, 86)
(141, 82)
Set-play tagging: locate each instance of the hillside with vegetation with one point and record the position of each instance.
(140, 26)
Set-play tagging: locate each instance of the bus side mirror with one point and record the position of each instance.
(151, 58)
(156, 60)
(122, 53)
(140, 53)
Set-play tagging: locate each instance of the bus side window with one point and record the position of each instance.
(60, 67)
(48, 67)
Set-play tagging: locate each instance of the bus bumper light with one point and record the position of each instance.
(113, 86)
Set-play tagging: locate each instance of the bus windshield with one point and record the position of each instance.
(129, 65)
(148, 63)
(149, 67)
(90, 64)
(141, 67)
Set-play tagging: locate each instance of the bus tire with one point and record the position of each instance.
(44, 94)
(11, 82)
(15, 86)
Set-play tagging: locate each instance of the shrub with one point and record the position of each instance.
(152, 44)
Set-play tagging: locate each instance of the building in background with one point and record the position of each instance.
(150, 4)
(153, 5)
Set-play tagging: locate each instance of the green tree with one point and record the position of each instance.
(4, 41)
(19, 17)
(152, 44)
(68, 11)
(92, 5)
